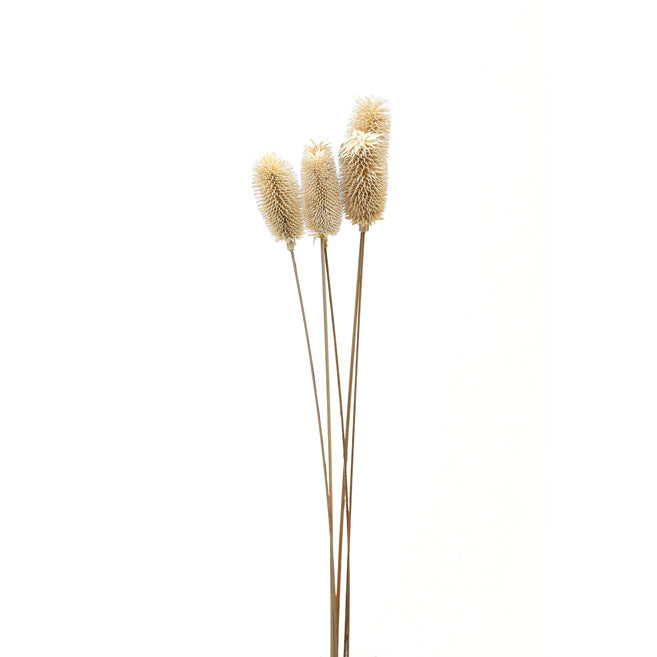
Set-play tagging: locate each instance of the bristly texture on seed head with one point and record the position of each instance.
(364, 173)
(371, 114)
(320, 189)
(277, 193)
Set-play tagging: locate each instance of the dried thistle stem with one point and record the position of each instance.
(344, 445)
(321, 439)
(353, 380)
(312, 373)
(334, 625)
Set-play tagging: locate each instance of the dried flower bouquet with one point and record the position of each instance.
(317, 205)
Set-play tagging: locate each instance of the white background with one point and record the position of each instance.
(160, 477)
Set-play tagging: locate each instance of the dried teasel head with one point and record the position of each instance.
(364, 173)
(371, 114)
(320, 189)
(277, 193)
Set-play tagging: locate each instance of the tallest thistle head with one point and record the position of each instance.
(277, 192)
(364, 162)
(371, 114)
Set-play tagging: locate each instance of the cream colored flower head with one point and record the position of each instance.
(277, 193)
(320, 190)
(371, 114)
(364, 173)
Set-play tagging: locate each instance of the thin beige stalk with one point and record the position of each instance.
(334, 636)
(312, 373)
(353, 375)
(344, 445)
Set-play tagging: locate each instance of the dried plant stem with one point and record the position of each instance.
(334, 625)
(353, 380)
(344, 446)
(327, 487)
(312, 373)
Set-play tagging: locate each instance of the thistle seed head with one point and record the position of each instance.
(277, 192)
(364, 173)
(320, 189)
(371, 114)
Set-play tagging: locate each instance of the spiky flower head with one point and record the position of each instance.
(320, 189)
(364, 172)
(277, 193)
(371, 114)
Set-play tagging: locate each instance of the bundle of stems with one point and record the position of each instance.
(318, 205)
